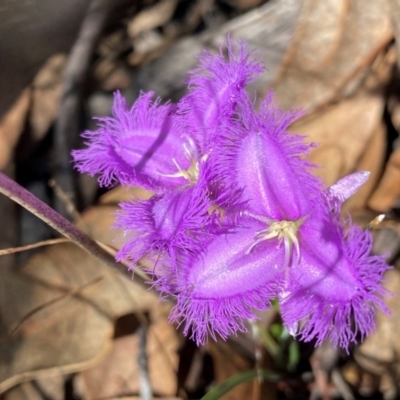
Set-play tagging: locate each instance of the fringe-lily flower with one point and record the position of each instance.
(237, 219)
(330, 290)
(268, 163)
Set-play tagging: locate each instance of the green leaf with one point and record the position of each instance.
(237, 379)
(269, 342)
(276, 330)
(294, 355)
(285, 335)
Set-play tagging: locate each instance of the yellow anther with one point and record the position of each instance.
(284, 231)
(192, 173)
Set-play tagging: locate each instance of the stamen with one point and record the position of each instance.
(285, 231)
(288, 252)
(192, 173)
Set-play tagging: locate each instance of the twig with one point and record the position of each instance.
(66, 128)
(17, 193)
(341, 385)
(66, 200)
(145, 385)
(70, 293)
(42, 243)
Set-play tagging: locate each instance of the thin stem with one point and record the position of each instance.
(42, 243)
(17, 193)
(146, 392)
(47, 304)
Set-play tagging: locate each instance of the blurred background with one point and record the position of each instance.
(71, 328)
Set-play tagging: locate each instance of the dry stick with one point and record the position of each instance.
(66, 127)
(66, 200)
(146, 392)
(69, 293)
(110, 250)
(42, 243)
(17, 193)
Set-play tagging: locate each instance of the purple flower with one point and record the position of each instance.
(330, 290)
(268, 163)
(237, 219)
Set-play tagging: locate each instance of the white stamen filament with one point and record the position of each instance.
(192, 173)
(285, 231)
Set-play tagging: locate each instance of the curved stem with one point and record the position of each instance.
(20, 195)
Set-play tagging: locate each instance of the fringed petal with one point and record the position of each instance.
(167, 225)
(334, 290)
(136, 146)
(218, 290)
(215, 88)
(270, 164)
(344, 188)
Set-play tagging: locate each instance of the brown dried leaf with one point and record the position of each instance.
(342, 132)
(334, 43)
(118, 374)
(387, 193)
(45, 314)
(46, 94)
(58, 314)
(11, 126)
(152, 17)
(58, 310)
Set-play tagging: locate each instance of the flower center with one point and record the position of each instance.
(284, 231)
(191, 174)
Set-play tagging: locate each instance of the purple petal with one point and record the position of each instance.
(137, 146)
(269, 163)
(218, 290)
(335, 281)
(215, 88)
(165, 225)
(346, 187)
